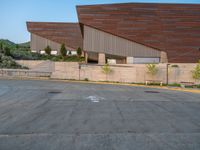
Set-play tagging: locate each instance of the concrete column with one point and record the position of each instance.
(102, 58)
(129, 60)
(163, 57)
(86, 57)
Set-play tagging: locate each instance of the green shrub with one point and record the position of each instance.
(7, 51)
(55, 59)
(73, 59)
(175, 84)
(63, 50)
(48, 50)
(17, 46)
(86, 79)
(24, 54)
(9, 62)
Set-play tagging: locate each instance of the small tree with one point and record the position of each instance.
(196, 72)
(106, 70)
(48, 50)
(152, 69)
(79, 52)
(63, 50)
(7, 51)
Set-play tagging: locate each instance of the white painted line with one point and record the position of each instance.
(95, 99)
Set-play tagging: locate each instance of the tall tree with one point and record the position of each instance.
(48, 50)
(63, 50)
(196, 72)
(79, 52)
(70, 53)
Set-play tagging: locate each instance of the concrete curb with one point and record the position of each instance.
(196, 91)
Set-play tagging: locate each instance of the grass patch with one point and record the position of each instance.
(175, 85)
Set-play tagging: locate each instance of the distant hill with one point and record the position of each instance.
(26, 44)
(7, 43)
(10, 44)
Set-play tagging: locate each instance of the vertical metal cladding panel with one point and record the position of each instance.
(99, 41)
(39, 43)
(33, 42)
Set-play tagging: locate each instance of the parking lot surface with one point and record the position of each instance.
(47, 115)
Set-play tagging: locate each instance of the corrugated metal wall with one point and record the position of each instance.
(99, 41)
(39, 43)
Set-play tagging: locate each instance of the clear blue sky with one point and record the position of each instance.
(15, 13)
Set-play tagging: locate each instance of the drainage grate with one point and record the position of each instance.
(151, 92)
(54, 92)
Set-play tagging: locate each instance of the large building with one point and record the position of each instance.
(127, 33)
(141, 32)
(51, 34)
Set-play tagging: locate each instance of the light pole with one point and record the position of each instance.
(79, 71)
(167, 74)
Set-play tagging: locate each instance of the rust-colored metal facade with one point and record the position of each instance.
(62, 33)
(172, 28)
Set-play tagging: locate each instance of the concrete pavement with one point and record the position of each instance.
(49, 115)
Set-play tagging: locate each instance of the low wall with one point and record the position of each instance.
(133, 73)
(136, 73)
(66, 70)
(23, 73)
(30, 63)
(175, 74)
(117, 74)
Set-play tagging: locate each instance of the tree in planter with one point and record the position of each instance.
(48, 50)
(63, 50)
(79, 52)
(106, 70)
(196, 72)
(152, 69)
